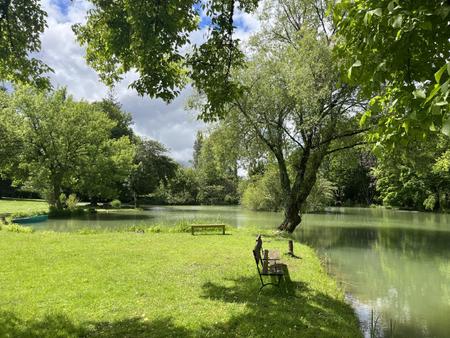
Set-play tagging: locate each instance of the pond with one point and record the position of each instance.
(393, 264)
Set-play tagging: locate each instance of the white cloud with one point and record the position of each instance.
(170, 124)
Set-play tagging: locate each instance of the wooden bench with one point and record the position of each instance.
(267, 266)
(271, 254)
(207, 226)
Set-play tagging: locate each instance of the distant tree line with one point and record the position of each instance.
(55, 146)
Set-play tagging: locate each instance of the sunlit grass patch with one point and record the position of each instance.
(161, 284)
(23, 207)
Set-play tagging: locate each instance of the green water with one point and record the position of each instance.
(394, 263)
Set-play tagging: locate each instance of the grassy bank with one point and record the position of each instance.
(23, 207)
(163, 284)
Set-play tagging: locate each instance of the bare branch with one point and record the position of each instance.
(343, 135)
(347, 147)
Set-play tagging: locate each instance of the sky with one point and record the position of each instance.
(171, 124)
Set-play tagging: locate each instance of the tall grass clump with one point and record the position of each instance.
(16, 228)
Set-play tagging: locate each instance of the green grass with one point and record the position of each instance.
(23, 207)
(161, 284)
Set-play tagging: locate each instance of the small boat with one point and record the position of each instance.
(31, 219)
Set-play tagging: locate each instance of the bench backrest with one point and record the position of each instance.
(257, 254)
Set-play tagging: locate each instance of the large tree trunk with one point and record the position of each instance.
(135, 199)
(301, 188)
(55, 194)
(292, 217)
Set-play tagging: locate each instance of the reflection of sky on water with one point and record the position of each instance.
(394, 262)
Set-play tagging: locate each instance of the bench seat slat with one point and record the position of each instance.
(208, 226)
(271, 269)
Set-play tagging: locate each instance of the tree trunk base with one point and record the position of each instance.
(290, 223)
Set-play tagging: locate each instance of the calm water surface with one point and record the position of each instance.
(394, 263)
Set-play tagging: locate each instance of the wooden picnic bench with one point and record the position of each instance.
(267, 263)
(207, 226)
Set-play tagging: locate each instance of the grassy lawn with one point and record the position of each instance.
(165, 284)
(23, 206)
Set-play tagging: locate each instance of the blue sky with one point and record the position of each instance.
(170, 124)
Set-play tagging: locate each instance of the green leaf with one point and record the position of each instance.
(441, 103)
(448, 68)
(366, 115)
(405, 125)
(367, 17)
(439, 73)
(378, 12)
(398, 21)
(446, 127)
(391, 6)
(432, 127)
(357, 64)
(433, 93)
(419, 94)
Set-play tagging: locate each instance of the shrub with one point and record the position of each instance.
(17, 228)
(154, 229)
(72, 202)
(430, 202)
(116, 204)
(55, 212)
(321, 195)
(263, 192)
(63, 199)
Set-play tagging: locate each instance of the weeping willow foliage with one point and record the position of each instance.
(264, 193)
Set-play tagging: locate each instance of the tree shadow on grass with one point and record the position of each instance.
(292, 310)
(60, 326)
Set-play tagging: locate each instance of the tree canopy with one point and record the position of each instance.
(21, 23)
(154, 39)
(292, 100)
(400, 57)
(63, 144)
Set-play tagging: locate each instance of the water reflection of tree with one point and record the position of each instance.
(404, 273)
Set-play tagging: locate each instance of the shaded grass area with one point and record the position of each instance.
(161, 284)
(23, 207)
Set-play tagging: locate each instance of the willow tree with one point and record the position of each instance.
(292, 99)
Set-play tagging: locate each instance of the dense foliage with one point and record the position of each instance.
(152, 167)
(21, 23)
(62, 143)
(400, 57)
(416, 176)
(154, 38)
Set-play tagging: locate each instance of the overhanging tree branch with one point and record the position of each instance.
(347, 147)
